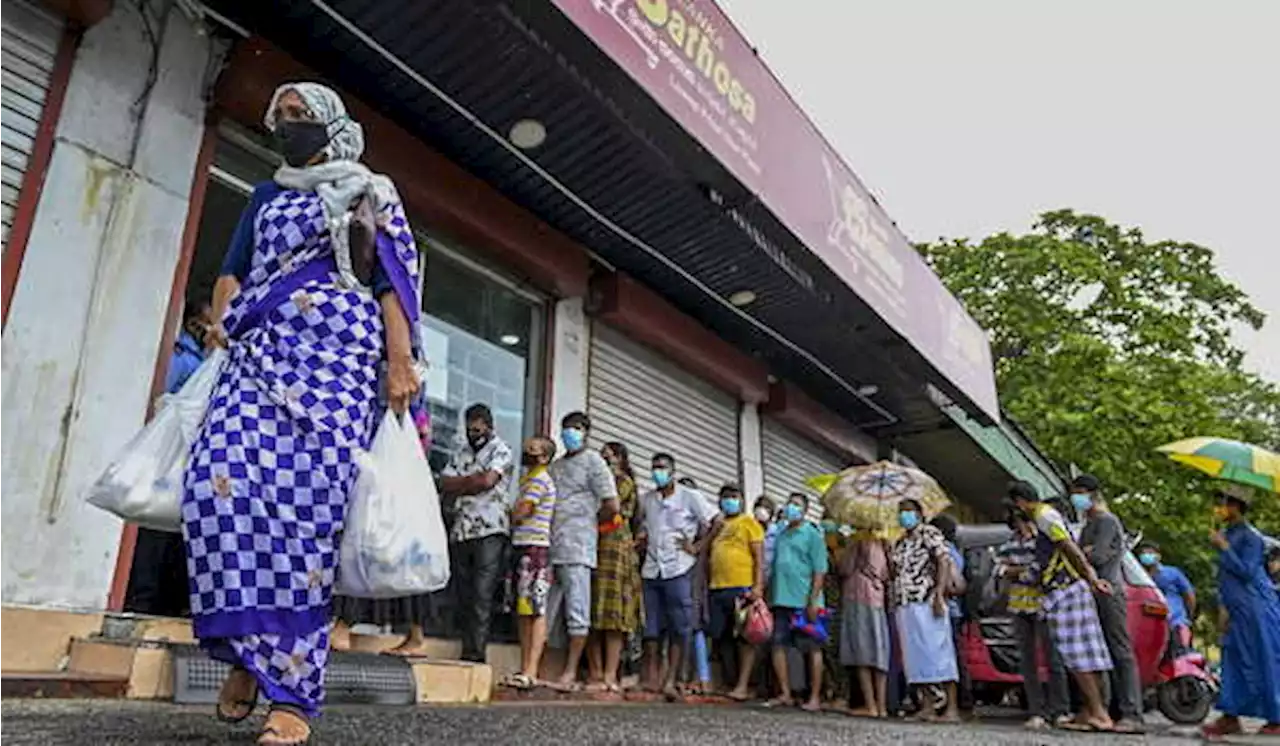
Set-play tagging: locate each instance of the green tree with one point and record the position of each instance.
(1107, 346)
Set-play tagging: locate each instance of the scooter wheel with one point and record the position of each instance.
(1185, 700)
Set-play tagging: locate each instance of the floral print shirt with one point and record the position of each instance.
(488, 513)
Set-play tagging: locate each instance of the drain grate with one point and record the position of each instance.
(352, 678)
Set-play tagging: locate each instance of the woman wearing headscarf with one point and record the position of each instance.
(317, 300)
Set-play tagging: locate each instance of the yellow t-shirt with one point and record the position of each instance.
(732, 562)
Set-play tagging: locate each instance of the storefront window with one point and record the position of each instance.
(490, 334)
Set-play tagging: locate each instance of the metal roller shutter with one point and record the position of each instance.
(28, 47)
(638, 399)
(789, 459)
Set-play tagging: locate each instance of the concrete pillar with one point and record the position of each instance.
(91, 298)
(750, 451)
(570, 356)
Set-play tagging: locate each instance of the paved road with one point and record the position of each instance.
(103, 723)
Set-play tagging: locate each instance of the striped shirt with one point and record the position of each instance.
(535, 530)
(1017, 559)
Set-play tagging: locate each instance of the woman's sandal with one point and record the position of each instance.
(285, 726)
(227, 709)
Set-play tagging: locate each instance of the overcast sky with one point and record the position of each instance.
(967, 118)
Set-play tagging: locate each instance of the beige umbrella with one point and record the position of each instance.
(867, 497)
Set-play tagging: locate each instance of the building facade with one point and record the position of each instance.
(620, 211)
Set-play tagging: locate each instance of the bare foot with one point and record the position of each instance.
(340, 638)
(671, 692)
(410, 648)
(864, 712)
(780, 702)
(285, 728)
(812, 705)
(739, 695)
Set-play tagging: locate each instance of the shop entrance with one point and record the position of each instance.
(484, 336)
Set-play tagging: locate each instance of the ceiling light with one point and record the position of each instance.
(742, 298)
(510, 340)
(528, 134)
(869, 389)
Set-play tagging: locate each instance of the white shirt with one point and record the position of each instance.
(669, 522)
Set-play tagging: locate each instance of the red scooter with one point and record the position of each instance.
(1186, 689)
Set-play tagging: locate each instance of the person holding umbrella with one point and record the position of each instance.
(1251, 643)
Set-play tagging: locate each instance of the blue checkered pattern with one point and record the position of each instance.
(267, 484)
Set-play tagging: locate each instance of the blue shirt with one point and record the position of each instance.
(799, 553)
(1173, 583)
(187, 356)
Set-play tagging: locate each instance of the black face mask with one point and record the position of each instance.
(299, 141)
(529, 459)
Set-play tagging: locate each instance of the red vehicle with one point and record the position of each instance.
(1181, 687)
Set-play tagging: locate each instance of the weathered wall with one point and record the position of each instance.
(87, 311)
(570, 355)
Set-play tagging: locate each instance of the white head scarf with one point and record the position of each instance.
(341, 178)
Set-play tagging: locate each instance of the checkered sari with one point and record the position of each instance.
(267, 485)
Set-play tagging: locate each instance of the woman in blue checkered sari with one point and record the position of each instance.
(318, 294)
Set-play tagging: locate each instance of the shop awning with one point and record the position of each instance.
(685, 165)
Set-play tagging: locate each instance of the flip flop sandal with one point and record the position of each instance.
(1085, 727)
(249, 704)
(285, 726)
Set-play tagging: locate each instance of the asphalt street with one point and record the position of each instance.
(102, 723)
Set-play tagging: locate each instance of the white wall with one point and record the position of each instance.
(570, 355)
(85, 322)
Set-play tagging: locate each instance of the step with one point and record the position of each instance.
(38, 639)
(62, 685)
(157, 670)
(147, 666)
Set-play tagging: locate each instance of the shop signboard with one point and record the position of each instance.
(688, 56)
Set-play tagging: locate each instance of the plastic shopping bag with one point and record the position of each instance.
(758, 627)
(143, 485)
(394, 543)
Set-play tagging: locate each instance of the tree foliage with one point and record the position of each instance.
(1107, 346)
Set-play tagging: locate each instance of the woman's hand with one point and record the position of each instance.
(215, 336)
(402, 383)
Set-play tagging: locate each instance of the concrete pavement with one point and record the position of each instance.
(104, 723)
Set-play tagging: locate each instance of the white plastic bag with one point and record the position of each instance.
(394, 542)
(143, 485)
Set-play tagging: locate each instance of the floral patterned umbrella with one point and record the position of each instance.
(867, 497)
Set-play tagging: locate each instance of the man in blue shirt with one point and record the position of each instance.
(1179, 594)
(158, 579)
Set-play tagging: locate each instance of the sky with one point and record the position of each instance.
(970, 118)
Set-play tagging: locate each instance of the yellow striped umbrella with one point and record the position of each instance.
(1229, 460)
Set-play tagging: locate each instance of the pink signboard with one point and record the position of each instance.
(688, 56)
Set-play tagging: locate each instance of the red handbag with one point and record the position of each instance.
(759, 627)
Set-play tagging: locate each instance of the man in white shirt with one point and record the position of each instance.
(673, 521)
